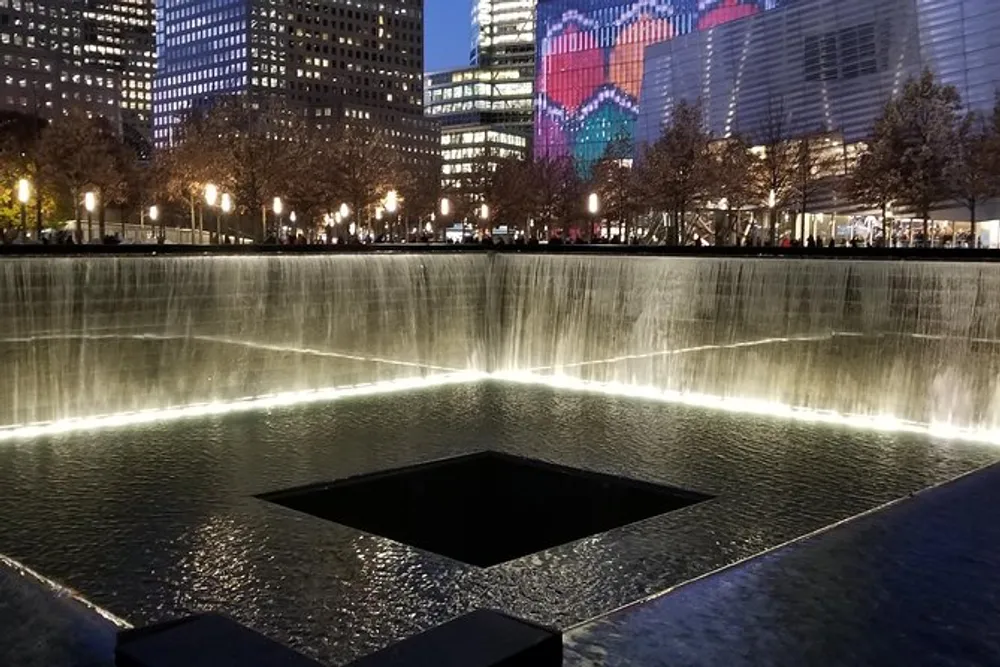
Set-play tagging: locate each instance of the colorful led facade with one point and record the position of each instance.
(590, 62)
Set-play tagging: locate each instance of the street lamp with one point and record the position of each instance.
(227, 208)
(23, 195)
(771, 201)
(278, 207)
(484, 215)
(211, 197)
(445, 212)
(391, 206)
(345, 212)
(593, 207)
(154, 215)
(90, 203)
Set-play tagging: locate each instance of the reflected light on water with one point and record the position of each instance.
(884, 423)
(733, 404)
(248, 404)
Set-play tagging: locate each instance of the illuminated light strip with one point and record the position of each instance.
(571, 17)
(219, 408)
(607, 92)
(883, 423)
(653, 8)
(25, 571)
(230, 341)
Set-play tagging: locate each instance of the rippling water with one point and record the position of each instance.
(161, 520)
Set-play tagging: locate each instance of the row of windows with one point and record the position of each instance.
(481, 137)
(523, 104)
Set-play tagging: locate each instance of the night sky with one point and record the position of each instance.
(448, 33)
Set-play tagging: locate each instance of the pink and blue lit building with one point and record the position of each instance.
(590, 61)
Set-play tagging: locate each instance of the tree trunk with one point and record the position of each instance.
(38, 214)
(78, 232)
(886, 228)
(772, 221)
(927, 224)
(101, 217)
(972, 223)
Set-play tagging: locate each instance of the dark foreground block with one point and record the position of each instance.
(480, 638)
(206, 640)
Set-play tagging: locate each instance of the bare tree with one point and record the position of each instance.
(20, 151)
(676, 168)
(557, 195)
(778, 162)
(198, 158)
(614, 183)
(507, 191)
(974, 180)
(77, 153)
(737, 175)
(816, 163)
(922, 128)
(365, 168)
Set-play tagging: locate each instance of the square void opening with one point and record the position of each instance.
(485, 508)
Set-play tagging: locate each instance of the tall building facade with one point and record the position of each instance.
(822, 65)
(484, 115)
(503, 33)
(336, 60)
(485, 111)
(95, 54)
(591, 61)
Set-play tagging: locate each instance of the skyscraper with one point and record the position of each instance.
(503, 33)
(97, 54)
(335, 60)
(484, 111)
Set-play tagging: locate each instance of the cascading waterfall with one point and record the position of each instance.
(86, 336)
(100, 335)
(916, 340)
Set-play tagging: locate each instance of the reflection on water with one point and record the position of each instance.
(161, 520)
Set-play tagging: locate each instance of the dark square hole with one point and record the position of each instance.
(485, 508)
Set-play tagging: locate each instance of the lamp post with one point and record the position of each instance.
(211, 197)
(23, 195)
(90, 203)
(227, 208)
(771, 201)
(278, 207)
(445, 212)
(724, 208)
(593, 208)
(484, 215)
(154, 215)
(391, 207)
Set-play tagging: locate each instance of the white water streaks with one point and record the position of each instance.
(266, 347)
